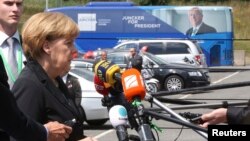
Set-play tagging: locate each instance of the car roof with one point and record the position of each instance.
(84, 60)
(119, 50)
(153, 40)
(152, 56)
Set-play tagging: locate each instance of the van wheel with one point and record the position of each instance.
(173, 83)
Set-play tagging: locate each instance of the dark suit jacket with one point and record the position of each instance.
(39, 98)
(136, 62)
(238, 115)
(204, 28)
(12, 120)
(75, 91)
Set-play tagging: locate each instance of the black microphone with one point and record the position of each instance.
(119, 119)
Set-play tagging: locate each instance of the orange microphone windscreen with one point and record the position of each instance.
(132, 84)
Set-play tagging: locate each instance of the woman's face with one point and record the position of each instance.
(61, 54)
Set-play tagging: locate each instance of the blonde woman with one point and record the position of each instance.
(39, 90)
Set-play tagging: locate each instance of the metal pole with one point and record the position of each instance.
(47, 4)
(213, 87)
(158, 103)
(180, 122)
(215, 105)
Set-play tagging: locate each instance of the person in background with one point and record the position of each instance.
(144, 49)
(75, 55)
(12, 55)
(88, 55)
(48, 44)
(135, 60)
(103, 56)
(147, 72)
(195, 16)
(17, 125)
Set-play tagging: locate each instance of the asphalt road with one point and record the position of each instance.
(172, 131)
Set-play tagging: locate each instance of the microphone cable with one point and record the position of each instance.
(182, 127)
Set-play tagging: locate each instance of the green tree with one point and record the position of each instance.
(153, 2)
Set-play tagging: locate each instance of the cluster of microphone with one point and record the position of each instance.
(122, 95)
(119, 90)
(107, 76)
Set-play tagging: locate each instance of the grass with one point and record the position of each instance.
(34, 6)
(241, 12)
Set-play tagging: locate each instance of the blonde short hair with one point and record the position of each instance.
(46, 26)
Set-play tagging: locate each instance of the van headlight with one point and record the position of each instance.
(194, 73)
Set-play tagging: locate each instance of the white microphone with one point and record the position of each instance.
(118, 117)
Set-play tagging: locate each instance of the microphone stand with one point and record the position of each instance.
(178, 101)
(158, 103)
(154, 114)
(144, 128)
(121, 130)
(224, 104)
(212, 106)
(204, 88)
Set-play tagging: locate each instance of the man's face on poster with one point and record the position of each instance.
(195, 17)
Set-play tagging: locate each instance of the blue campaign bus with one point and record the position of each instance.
(105, 24)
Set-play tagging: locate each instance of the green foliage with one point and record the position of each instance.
(153, 2)
(145, 2)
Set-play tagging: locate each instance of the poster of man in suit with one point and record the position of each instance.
(195, 16)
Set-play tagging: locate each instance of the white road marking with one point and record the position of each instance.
(185, 96)
(104, 133)
(220, 80)
(225, 78)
